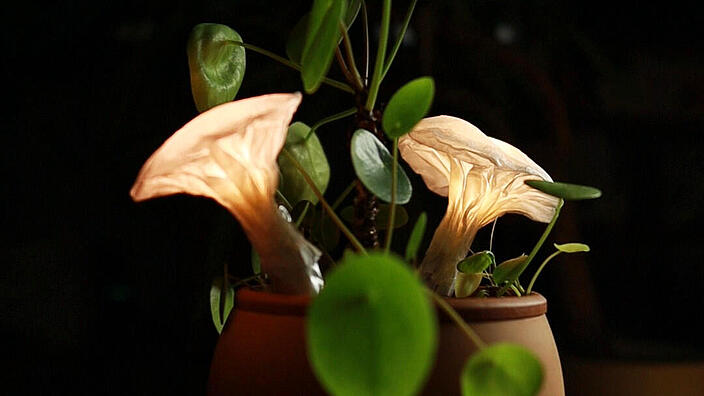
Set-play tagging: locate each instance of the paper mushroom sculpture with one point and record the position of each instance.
(229, 153)
(483, 179)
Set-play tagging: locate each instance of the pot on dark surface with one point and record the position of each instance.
(519, 320)
(262, 348)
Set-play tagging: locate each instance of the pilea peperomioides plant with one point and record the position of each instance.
(372, 328)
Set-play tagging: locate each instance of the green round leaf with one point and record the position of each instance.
(509, 270)
(502, 370)
(309, 153)
(372, 163)
(466, 284)
(477, 262)
(216, 65)
(572, 247)
(297, 39)
(321, 39)
(416, 237)
(408, 106)
(372, 330)
(382, 217)
(568, 192)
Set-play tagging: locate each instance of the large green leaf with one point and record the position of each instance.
(322, 36)
(219, 297)
(216, 65)
(568, 192)
(372, 330)
(309, 153)
(509, 270)
(297, 37)
(372, 163)
(408, 106)
(502, 370)
(416, 237)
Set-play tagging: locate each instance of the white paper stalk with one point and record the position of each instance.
(483, 179)
(229, 153)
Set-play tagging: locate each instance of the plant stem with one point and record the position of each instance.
(537, 245)
(350, 56)
(365, 19)
(392, 204)
(491, 240)
(329, 81)
(380, 55)
(303, 214)
(343, 68)
(331, 212)
(344, 194)
(329, 119)
(515, 290)
(471, 334)
(399, 39)
(535, 276)
(283, 199)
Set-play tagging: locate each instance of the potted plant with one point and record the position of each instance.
(347, 315)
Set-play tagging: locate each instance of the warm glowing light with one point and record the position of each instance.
(229, 153)
(483, 179)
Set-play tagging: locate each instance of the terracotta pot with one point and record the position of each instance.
(262, 347)
(520, 320)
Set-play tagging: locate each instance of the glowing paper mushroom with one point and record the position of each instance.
(483, 179)
(229, 153)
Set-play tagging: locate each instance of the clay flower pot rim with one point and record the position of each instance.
(471, 308)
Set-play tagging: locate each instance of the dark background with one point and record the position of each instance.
(103, 296)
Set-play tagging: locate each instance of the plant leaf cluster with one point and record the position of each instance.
(373, 329)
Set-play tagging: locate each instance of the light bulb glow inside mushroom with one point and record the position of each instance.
(483, 179)
(229, 153)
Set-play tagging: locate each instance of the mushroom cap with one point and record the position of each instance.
(249, 133)
(436, 145)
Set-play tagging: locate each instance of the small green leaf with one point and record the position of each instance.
(502, 370)
(372, 163)
(568, 192)
(408, 106)
(255, 261)
(466, 284)
(509, 270)
(297, 39)
(382, 217)
(216, 65)
(416, 237)
(309, 153)
(216, 294)
(476, 263)
(372, 330)
(572, 247)
(322, 37)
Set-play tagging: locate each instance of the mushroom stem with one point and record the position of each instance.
(450, 244)
(288, 259)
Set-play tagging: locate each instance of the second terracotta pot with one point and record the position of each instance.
(519, 320)
(262, 348)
